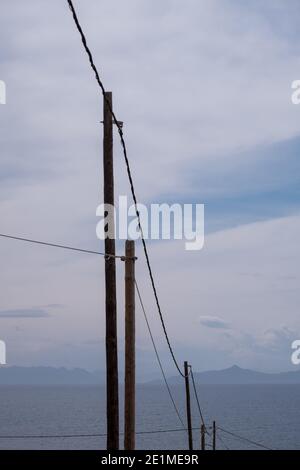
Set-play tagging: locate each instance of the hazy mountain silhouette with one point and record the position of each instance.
(15, 375)
(237, 375)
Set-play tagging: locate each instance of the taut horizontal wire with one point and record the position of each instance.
(63, 247)
(62, 436)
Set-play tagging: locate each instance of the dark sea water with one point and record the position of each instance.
(269, 414)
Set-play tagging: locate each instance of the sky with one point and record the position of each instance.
(204, 90)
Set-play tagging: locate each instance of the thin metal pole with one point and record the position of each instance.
(214, 436)
(188, 405)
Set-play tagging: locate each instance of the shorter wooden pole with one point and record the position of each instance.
(129, 405)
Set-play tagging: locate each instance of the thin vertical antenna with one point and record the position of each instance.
(188, 405)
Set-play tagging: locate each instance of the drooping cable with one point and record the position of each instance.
(133, 193)
(157, 355)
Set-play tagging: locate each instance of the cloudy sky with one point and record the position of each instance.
(204, 90)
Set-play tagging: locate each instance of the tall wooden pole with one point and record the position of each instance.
(214, 436)
(112, 392)
(202, 437)
(188, 405)
(129, 403)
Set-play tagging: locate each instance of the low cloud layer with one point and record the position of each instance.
(25, 313)
(213, 322)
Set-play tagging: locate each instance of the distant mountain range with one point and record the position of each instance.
(61, 376)
(237, 375)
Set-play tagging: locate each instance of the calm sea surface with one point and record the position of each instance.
(269, 414)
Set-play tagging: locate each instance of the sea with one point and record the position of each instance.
(74, 417)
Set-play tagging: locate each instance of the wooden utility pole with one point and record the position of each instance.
(214, 436)
(112, 392)
(188, 405)
(129, 403)
(202, 437)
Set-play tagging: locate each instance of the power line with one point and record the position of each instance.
(157, 354)
(221, 440)
(158, 431)
(197, 400)
(52, 436)
(149, 432)
(244, 439)
(120, 131)
(55, 245)
(155, 431)
(71, 436)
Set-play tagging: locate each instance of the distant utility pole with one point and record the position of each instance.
(202, 437)
(214, 436)
(188, 405)
(112, 392)
(129, 402)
